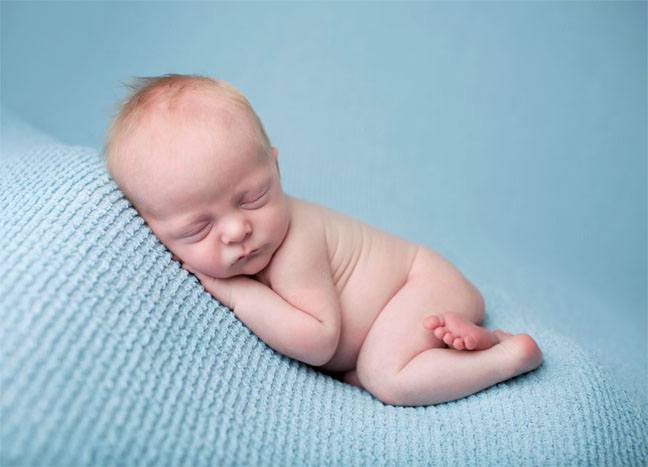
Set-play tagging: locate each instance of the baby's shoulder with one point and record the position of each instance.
(307, 225)
(312, 222)
(304, 244)
(306, 211)
(310, 215)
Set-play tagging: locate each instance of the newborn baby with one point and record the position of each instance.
(377, 311)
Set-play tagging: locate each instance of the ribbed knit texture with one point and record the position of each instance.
(112, 354)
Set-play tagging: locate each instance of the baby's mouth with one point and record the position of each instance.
(247, 256)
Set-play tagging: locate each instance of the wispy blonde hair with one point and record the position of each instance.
(146, 92)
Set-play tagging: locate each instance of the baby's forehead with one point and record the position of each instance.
(197, 106)
(198, 121)
(165, 194)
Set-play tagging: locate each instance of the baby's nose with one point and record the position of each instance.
(236, 232)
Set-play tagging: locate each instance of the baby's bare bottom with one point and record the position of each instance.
(402, 363)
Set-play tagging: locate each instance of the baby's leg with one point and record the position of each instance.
(351, 377)
(403, 363)
(456, 373)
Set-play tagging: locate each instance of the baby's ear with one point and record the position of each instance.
(275, 153)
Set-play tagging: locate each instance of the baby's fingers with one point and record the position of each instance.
(219, 288)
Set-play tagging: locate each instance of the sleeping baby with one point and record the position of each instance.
(374, 310)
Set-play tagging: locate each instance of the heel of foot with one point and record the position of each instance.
(524, 353)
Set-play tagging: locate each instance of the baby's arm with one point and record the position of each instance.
(282, 326)
(299, 315)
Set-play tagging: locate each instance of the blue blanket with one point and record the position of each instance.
(112, 354)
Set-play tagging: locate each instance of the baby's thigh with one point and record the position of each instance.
(397, 335)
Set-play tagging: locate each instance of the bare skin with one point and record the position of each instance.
(379, 312)
(459, 333)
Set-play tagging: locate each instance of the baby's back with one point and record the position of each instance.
(368, 267)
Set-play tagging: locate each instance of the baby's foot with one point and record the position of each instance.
(525, 353)
(461, 333)
(502, 335)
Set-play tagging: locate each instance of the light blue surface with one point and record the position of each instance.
(114, 355)
(509, 136)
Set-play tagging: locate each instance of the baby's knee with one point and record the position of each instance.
(478, 306)
(472, 304)
(386, 392)
(380, 382)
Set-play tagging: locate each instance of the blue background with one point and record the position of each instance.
(510, 137)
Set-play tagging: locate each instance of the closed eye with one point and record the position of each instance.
(193, 234)
(256, 198)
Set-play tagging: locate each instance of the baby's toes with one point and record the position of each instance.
(458, 343)
(440, 332)
(449, 338)
(432, 322)
(470, 342)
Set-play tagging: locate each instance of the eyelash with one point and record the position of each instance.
(257, 198)
(192, 235)
(197, 232)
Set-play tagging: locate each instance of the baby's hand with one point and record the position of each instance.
(221, 289)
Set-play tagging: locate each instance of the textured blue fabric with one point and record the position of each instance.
(112, 354)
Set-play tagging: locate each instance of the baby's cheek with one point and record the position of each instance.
(206, 259)
(278, 220)
(187, 256)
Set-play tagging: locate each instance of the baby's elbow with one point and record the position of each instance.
(332, 341)
(318, 358)
(328, 343)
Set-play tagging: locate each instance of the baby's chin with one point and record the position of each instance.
(255, 265)
(248, 266)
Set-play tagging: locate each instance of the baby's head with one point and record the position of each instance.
(194, 160)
